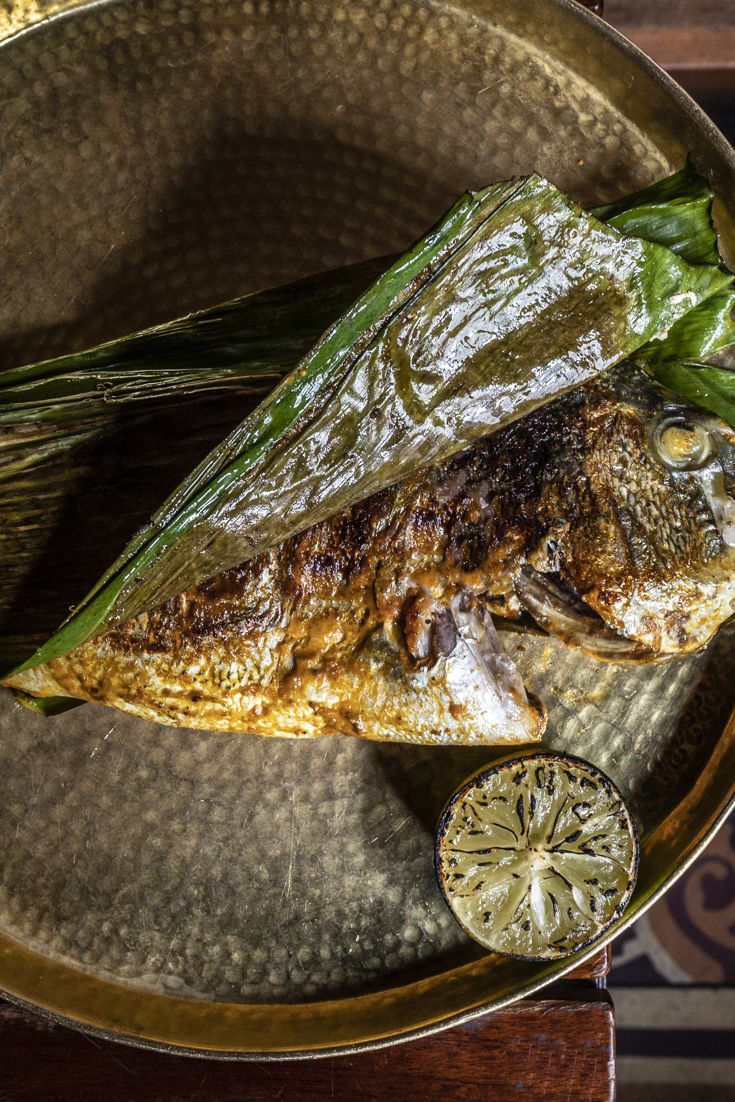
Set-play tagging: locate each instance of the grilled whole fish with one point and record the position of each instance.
(606, 515)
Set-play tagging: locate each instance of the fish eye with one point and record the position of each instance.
(682, 444)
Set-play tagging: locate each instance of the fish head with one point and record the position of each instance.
(641, 564)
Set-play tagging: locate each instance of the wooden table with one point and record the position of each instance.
(694, 40)
(555, 1047)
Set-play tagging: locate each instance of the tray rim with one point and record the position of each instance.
(132, 1004)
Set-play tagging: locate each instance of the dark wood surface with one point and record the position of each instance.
(553, 1047)
(559, 1047)
(694, 40)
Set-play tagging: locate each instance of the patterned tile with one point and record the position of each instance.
(673, 984)
(688, 937)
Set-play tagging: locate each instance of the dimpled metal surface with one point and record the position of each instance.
(213, 892)
(250, 869)
(163, 157)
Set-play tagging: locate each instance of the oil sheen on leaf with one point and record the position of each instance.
(516, 297)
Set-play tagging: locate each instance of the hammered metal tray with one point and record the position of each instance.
(253, 897)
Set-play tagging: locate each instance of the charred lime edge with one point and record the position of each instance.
(516, 757)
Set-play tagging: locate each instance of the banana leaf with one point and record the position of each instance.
(677, 212)
(686, 360)
(246, 346)
(711, 387)
(238, 348)
(698, 336)
(515, 297)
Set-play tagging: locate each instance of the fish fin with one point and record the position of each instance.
(476, 629)
(470, 695)
(569, 619)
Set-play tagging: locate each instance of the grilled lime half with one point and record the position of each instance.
(537, 855)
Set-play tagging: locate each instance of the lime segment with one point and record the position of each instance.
(537, 855)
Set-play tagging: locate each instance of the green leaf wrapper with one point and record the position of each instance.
(677, 212)
(711, 387)
(47, 705)
(680, 360)
(514, 298)
(241, 348)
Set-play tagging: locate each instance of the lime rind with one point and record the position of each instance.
(537, 855)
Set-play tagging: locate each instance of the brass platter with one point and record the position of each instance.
(241, 897)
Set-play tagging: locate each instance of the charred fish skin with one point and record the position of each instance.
(648, 511)
(375, 622)
(369, 623)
